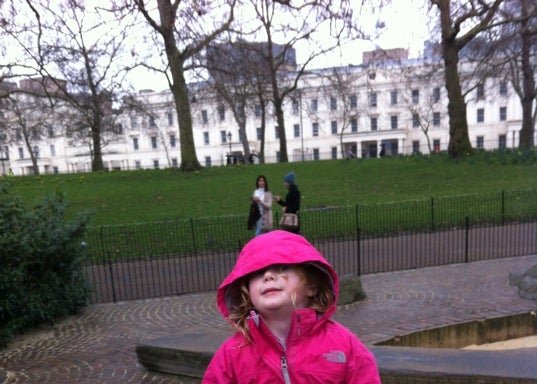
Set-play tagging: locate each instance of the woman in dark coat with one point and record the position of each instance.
(292, 199)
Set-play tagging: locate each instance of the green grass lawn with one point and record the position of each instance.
(154, 195)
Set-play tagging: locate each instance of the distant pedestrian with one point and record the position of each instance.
(290, 219)
(280, 297)
(263, 198)
(350, 153)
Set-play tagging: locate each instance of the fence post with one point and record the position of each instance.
(358, 251)
(432, 214)
(466, 238)
(111, 270)
(503, 207)
(277, 222)
(193, 234)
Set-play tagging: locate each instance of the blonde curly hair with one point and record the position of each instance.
(311, 275)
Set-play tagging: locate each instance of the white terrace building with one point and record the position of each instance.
(334, 113)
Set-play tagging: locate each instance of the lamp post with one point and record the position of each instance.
(229, 141)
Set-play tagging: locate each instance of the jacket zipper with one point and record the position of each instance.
(285, 370)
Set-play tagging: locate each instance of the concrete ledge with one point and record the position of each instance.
(189, 354)
(472, 332)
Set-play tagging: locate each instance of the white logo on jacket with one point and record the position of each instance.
(335, 357)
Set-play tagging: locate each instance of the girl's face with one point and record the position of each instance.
(261, 183)
(279, 289)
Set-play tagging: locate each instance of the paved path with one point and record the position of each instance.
(98, 345)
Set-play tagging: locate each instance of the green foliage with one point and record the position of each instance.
(41, 261)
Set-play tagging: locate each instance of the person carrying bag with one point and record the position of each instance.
(290, 220)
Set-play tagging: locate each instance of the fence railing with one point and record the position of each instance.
(193, 255)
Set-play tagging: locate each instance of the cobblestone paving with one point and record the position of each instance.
(98, 345)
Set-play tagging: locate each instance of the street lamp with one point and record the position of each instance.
(229, 141)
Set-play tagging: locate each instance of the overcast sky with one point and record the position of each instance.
(406, 26)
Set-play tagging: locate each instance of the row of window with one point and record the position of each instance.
(35, 151)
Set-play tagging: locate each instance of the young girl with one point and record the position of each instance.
(279, 297)
(263, 198)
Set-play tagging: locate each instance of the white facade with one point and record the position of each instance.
(375, 109)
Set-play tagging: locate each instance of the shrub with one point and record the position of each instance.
(41, 263)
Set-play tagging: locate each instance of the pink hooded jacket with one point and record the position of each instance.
(318, 349)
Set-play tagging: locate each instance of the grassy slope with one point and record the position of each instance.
(142, 196)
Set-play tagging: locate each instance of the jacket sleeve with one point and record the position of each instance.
(220, 369)
(362, 365)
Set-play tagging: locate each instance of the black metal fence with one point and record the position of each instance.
(194, 255)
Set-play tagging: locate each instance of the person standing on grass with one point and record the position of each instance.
(263, 198)
(291, 203)
(279, 298)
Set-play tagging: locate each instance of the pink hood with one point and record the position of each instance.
(276, 247)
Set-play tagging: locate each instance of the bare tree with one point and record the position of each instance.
(519, 49)
(460, 22)
(183, 32)
(83, 45)
(283, 26)
(27, 121)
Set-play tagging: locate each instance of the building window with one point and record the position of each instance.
(174, 162)
(52, 150)
(415, 96)
(152, 122)
(374, 123)
(204, 117)
(503, 88)
(333, 103)
(354, 125)
(276, 132)
(259, 133)
(416, 146)
(208, 161)
(170, 118)
(55, 170)
(373, 99)
(135, 143)
(21, 153)
(50, 131)
(277, 156)
(36, 151)
(480, 115)
(415, 120)
(6, 153)
(436, 94)
(257, 110)
(503, 113)
(480, 91)
(223, 137)
(479, 142)
(155, 164)
(138, 164)
(353, 101)
(315, 129)
(502, 141)
(118, 129)
(134, 121)
(436, 145)
(295, 107)
(206, 138)
(153, 142)
(314, 105)
(315, 153)
(18, 135)
(173, 141)
(296, 130)
(221, 113)
(334, 153)
(333, 127)
(394, 97)
(436, 119)
(394, 120)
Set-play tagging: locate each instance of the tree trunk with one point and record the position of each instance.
(240, 117)
(278, 108)
(189, 160)
(528, 84)
(459, 142)
(263, 106)
(32, 154)
(97, 156)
